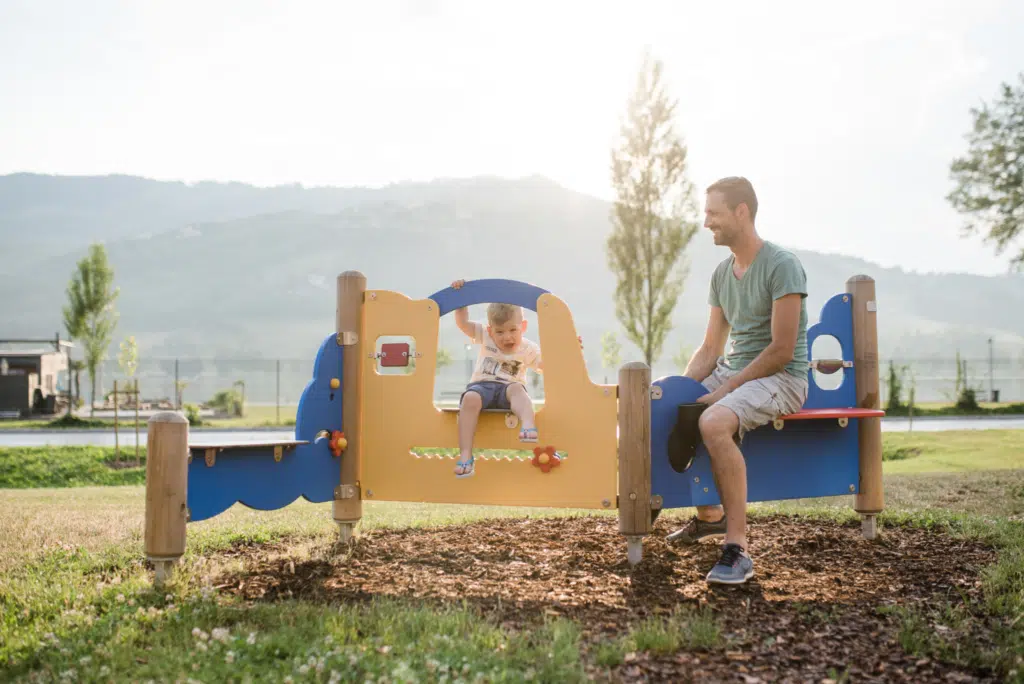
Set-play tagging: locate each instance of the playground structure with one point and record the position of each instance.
(367, 429)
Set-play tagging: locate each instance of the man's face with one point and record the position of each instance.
(723, 223)
(508, 335)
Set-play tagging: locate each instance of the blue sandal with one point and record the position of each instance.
(467, 468)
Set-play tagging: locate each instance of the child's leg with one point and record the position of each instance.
(521, 405)
(469, 414)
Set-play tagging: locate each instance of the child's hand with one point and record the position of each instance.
(579, 338)
(458, 283)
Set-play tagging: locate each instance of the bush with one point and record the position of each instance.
(192, 413)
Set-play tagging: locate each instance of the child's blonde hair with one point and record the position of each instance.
(498, 314)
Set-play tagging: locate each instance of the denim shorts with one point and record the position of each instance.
(492, 393)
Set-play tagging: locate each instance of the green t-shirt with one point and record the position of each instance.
(747, 304)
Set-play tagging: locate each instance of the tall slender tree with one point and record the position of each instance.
(655, 214)
(989, 178)
(90, 316)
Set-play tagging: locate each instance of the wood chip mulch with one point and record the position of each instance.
(811, 610)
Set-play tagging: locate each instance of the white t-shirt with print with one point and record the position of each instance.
(494, 365)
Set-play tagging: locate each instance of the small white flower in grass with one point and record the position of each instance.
(229, 657)
(221, 634)
(120, 598)
(131, 602)
(303, 669)
(195, 667)
(85, 660)
(288, 679)
(328, 640)
(335, 677)
(169, 598)
(65, 651)
(251, 639)
(201, 646)
(104, 671)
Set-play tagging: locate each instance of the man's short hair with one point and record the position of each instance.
(737, 191)
(498, 314)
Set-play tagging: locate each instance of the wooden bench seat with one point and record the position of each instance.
(224, 446)
(815, 414)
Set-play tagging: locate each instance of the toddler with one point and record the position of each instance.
(499, 377)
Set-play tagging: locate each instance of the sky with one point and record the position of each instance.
(844, 116)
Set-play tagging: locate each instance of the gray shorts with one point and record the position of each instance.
(760, 401)
(492, 393)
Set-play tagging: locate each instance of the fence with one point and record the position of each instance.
(280, 382)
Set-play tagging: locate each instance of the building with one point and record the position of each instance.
(31, 381)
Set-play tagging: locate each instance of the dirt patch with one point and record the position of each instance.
(814, 609)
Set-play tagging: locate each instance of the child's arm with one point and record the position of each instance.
(462, 317)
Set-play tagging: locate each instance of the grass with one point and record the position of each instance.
(76, 601)
(985, 408)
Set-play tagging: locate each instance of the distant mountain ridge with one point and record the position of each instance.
(232, 270)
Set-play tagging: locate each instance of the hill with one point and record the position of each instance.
(234, 271)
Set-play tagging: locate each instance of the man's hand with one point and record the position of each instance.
(714, 397)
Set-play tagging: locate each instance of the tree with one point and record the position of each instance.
(128, 360)
(444, 358)
(990, 177)
(681, 358)
(611, 352)
(654, 215)
(90, 316)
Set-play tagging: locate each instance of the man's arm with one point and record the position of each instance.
(774, 357)
(704, 360)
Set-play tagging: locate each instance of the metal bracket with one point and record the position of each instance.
(511, 420)
(211, 457)
(656, 392)
(278, 452)
(347, 338)
(346, 491)
(656, 501)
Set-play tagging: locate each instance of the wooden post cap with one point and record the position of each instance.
(167, 417)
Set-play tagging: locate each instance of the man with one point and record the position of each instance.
(758, 295)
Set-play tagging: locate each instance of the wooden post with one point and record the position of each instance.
(117, 442)
(635, 456)
(166, 491)
(348, 503)
(870, 500)
(138, 400)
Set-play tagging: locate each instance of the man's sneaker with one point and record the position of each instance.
(696, 530)
(734, 567)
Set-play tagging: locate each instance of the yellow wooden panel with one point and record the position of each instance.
(578, 417)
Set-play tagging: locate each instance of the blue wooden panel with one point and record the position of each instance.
(805, 459)
(485, 291)
(251, 476)
(836, 320)
(673, 487)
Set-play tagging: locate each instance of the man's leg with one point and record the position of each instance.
(718, 424)
(710, 521)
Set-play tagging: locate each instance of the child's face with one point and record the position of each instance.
(508, 335)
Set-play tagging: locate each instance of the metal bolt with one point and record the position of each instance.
(373, 295)
(369, 492)
(632, 496)
(606, 503)
(852, 489)
(697, 480)
(705, 490)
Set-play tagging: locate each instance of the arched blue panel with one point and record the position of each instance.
(836, 320)
(485, 291)
(252, 477)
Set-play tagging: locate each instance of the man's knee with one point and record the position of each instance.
(717, 423)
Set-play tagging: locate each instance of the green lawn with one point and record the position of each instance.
(77, 604)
